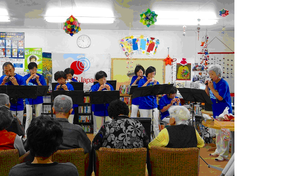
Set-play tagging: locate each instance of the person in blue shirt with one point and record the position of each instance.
(12, 78)
(70, 72)
(139, 72)
(100, 110)
(148, 104)
(218, 90)
(61, 78)
(166, 102)
(33, 79)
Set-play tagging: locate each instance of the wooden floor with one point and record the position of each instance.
(204, 153)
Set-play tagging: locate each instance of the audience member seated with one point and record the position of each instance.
(121, 132)
(179, 135)
(15, 126)
(44, 135)
(9, 140)
(73, 135)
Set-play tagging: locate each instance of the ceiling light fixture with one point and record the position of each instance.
(62, 19)
(4, 17)
(186, 18)
(83, 14)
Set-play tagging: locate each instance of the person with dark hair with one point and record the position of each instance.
(139, 72)
(73, 135)
(100, 113)
(33, 79)
(113, 133)
(32, 58)
(61, 78)
(15, 126)
(12, 78)
(9, 140)
(44, 136)
(166, 102)
(149, 103)
(69, 73)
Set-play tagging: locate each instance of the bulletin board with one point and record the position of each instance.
(120, 67)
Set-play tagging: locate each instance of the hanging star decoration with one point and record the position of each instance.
(168, 60)
(148, 17)
(224, 13)
(72, 26)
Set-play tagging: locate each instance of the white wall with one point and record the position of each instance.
(107, 42)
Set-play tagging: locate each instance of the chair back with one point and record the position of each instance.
(112, 162)
(174, 161)
(8, 159)
(75, 156)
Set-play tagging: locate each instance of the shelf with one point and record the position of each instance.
(84, 123)
(47, 103)
(84, 113)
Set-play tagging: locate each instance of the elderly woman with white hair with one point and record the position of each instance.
(179, 135)
(218, 90)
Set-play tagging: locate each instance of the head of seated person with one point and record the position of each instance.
(4, 100)
(44, 136)
(62, 106)
(180, 115)
(117, 108)
(6, 118)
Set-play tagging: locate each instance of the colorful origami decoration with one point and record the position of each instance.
(224, 13)
(148, 17)
(72, 26)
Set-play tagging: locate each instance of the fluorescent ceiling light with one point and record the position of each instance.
(4, 17)
(83, 14)
(185, 18)
(61, 19)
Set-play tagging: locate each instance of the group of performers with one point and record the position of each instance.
(217, 89)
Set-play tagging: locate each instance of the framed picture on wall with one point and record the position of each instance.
(183, 72)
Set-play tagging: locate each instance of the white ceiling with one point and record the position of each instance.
(30, 13)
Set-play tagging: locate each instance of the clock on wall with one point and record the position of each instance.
(83, 41)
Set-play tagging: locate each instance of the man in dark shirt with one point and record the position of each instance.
(73, 135)
(16, 124)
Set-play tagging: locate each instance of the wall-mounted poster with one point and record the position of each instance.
(12, 45)
(34, 55)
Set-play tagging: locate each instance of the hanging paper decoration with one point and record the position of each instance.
(148, 17)
(168, 60)
(224, 13)
(140, 45)
(72, 26)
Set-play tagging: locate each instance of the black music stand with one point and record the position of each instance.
(152, 90)
(103, 97)
(77, 85)
(76, 95)
(194, 95)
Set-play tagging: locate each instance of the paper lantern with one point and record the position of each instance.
(71, 26)
(148, 17)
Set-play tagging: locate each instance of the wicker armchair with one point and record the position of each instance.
(8, 159)
(75, 156)
(112, 162)
(174, 161)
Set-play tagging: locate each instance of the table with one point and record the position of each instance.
(219, 125)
